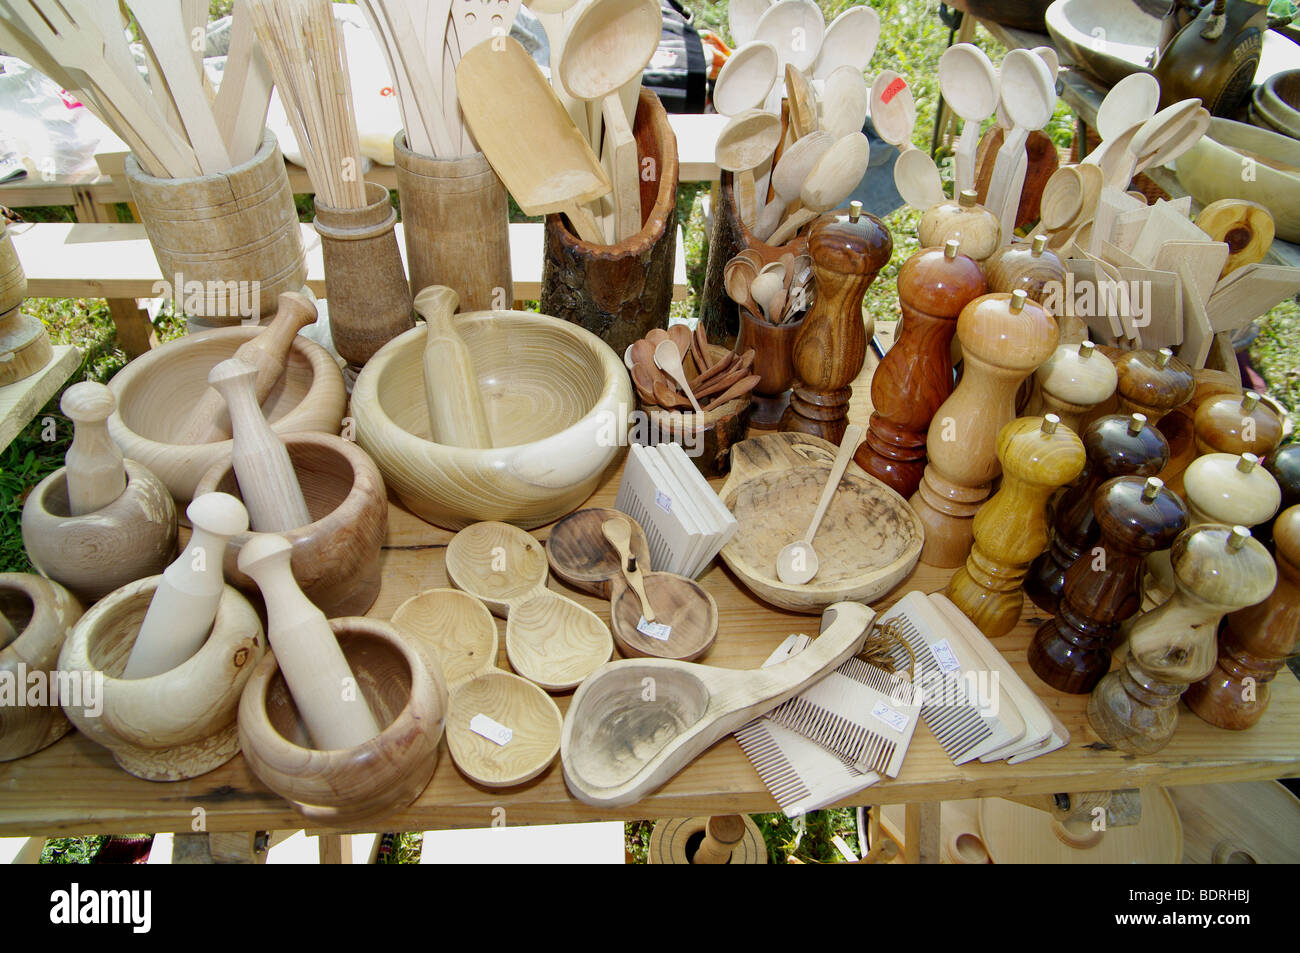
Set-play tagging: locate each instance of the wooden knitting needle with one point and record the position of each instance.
(95, 473)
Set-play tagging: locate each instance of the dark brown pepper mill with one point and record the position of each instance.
(915, 377)
(1103, 587)
(1116, 446)
(847, 253)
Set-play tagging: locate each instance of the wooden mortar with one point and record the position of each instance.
(404, 688)
(620, 292)
(336, 556)
(41, 613)
(25, 346)
(13, 281)
(172, 726)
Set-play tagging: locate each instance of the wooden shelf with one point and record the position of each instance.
(22, 400)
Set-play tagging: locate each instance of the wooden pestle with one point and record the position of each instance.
(262, 466)
(96, 475)
(209, 421)
(456, 415)
(185, 602)
(320, 680)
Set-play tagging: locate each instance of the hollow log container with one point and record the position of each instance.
(456, 225)
(232, 231)
(365, 283)
(172, 726)
(335, 558)
(404, 686)
(621, 292)
(42, 613)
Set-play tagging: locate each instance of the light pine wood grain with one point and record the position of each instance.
(95, 473)
(451, 388)
(1016, 834)
(38, 616)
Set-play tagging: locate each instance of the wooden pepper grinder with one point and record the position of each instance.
(1071, 652)
(1254, 642)
(1004, 338)
(1218, 569)
(1038, 455)
(1152, 383)
(1028, 267)
(96, 475)
(915, 377)
(1071, 382)
(1284, 464)
(1115, 446)
(1232, 424)
(847, 252)
(970, 223)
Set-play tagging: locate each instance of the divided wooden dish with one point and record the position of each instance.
(581, 557)
(868, 541)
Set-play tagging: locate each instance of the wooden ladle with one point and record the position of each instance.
(797, 562)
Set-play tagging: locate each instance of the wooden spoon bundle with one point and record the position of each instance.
(713, 383)
(776, 293)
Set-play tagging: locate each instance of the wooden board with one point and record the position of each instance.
(1261, 818)
(22, 400)
(1248, 293)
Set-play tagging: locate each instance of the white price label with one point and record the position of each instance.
(890, 716)
(491, 730)
(663, 501)
(655, 630)
(943, 654)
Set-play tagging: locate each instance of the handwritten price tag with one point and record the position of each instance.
(491, 730)
(654, 630)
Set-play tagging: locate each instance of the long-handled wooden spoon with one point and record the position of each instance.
(797, 563)
(619, 534)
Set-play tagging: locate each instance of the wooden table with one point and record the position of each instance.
(74, 786)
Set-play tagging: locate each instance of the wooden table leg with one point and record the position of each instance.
(921, 839)
(226, 848)
(334, 848)
(135, 333)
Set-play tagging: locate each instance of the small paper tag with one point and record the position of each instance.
(663, 501)
(491, 730)
(893, 89)
(892, 717)
(943, 654)
(655, 630)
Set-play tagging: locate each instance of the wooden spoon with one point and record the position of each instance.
(746, 78)
(893, 109)
(1062, 198)
(969, 83)
(803, 103)
(1133, 99)
(1188, 136)
(917, 180)
(669, 360)
(831, 181)
(844, 100)
(619, 534)
(742, 18)
(797, 563)
(761, 290)
(796, 28)
(796, 164)
(850, 40)
(746, 141)
(1028, 94)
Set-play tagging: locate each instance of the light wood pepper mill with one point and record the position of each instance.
(96, 474)
(1038, 455)
(978, 229)
(1232, 424)
(1152, 383)
(1255, 642)
(915, 377)
(1218, 569)
(1004, 338)
(1072, 651)
(1071, 383)
(267, 481)
(1028, 267)
(185, 603)
(1115, 446)
(322, 684)
(847, 252)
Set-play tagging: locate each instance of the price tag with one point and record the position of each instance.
(663, 501)
(890, 716)
(892, 90)
(654, 630)
(943, 654)
(491, 730)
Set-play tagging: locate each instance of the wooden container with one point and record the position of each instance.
(172, 726)
(369, 300)
(39, 614)
(94, 554)
(156, 394)
(620, 292)
(227, 230)
(708, 438)
(455, 222)
(335, 556)
(773, 346)
(13, 282)
(405, 690)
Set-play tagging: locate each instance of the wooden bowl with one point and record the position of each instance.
(581, 557)
(557, 402)
(42, 613)
(680, 603)
(336, 556)
(1213, 169)
(132, 537)
(460, 629)
(1129, 31)
(868, 541)
(176, 725)
(404, 686)
(1273, 104)
(155, 391)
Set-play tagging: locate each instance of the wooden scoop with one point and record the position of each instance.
(95, 473)
(456, 414)
(633, 724)
(619, 533)
(831, 181)
(745, 79)
(797, 562)
(550, 639)
(461, 631)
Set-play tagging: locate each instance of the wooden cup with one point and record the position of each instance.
(407, 693)
(172, 726)
(773, 346)
(336, 556)
(41, 613)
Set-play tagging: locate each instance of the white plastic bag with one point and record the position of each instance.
(53, 133)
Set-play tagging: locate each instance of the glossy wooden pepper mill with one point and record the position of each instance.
(1038, 455)
(1152, 383)
(1115, 446)
(1071, 382)
(847, 252)
(977, 228)
(1284, 464)
(915, 377)
(1218, 569)
(1028, 267)
(1255, 642)
(1103, 587)
(1004, 338)
(1232, 424)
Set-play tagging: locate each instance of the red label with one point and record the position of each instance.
(68, 99)
(893, 89)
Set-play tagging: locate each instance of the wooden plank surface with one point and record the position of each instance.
(74, 786)
(22, 400)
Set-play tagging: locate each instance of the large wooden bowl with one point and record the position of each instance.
(557, 400)
(156, 391)
(1128, 31)
(868, 541)
(1217, 166)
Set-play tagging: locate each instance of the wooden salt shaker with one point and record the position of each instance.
(1072, 382)
(1027, 267)
(915, 377)
(1072, 651)
(96, 474)
(965, 220)
(266, 479)
(847, 252)
(1152, 383)
(1004, 338)
(1233, 424)
(1218, 569)
(1037, 455)
(1115, 446)
(1255, 642)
